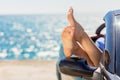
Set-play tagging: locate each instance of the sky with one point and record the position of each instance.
(56, 6)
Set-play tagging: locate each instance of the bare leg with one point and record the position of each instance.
(79, 51)
(89, 47)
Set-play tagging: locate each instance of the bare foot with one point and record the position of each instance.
(92, 51)
(77, 27)
(69, 44)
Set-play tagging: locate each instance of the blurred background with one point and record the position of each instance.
(31, 29)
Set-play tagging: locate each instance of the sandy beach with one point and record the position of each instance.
(28, 70)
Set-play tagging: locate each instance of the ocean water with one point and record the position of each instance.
(37, 36)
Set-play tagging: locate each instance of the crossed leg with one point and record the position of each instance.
(86, 48)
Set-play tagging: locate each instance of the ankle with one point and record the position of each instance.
(80, 36)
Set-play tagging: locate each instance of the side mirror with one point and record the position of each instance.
(76, 67)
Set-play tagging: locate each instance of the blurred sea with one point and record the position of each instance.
(37, 36)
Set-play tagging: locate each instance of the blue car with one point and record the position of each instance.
(78, 68)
